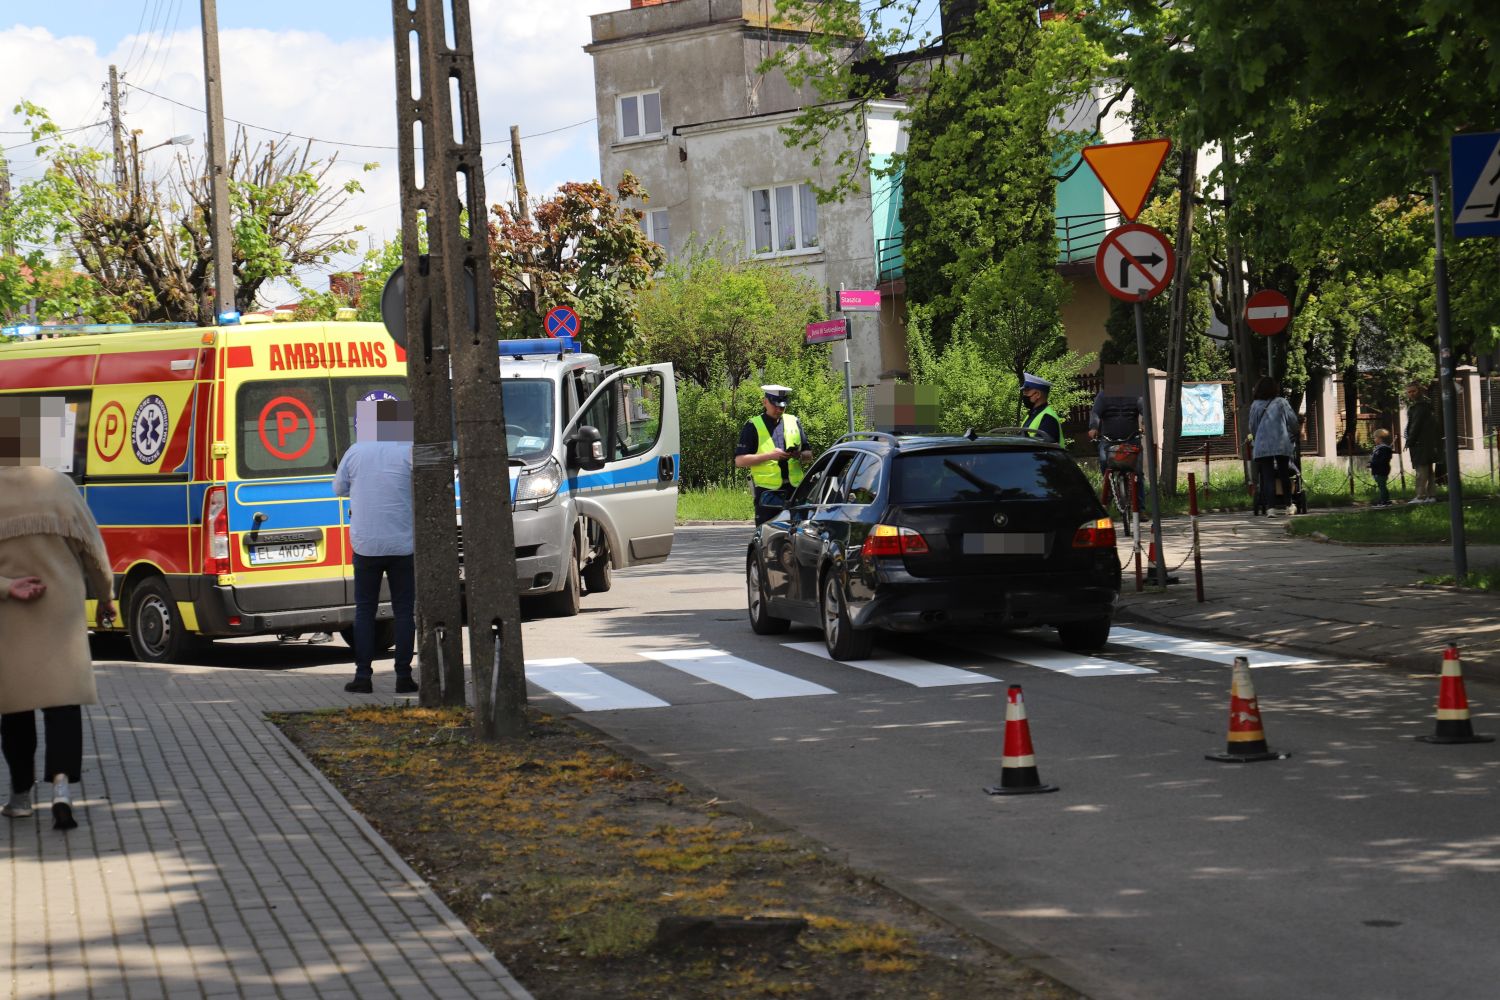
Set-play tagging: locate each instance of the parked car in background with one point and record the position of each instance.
(911, 534)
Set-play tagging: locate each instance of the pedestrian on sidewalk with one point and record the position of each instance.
(1274, 429)
(1422, 440)
(1380, 466)
(375, 474)
(52, 559)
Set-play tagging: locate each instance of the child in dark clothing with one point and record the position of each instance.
(1380, 466)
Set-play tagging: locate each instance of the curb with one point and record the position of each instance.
(482, 956)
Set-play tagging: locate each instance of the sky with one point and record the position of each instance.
(316, 68)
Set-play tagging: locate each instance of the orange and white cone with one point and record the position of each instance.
(1453, 723)
(1247, 735)
(1018, 763)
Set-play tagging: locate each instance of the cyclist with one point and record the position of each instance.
(1116, 419)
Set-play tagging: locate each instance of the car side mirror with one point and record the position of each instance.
(770, 503)
(586, 449)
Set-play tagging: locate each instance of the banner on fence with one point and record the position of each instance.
(1202, 409)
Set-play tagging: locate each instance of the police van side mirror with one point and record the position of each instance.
(586, 449)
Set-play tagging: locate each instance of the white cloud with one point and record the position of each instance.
(530, 66)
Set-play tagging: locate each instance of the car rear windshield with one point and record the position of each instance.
(958, 476)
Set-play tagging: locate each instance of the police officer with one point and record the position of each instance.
(773, 447)
(1041, 417)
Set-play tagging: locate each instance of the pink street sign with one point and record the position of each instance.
(859, 300)
(822, 333)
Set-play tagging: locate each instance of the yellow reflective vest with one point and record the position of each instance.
(767, 475)
(1034, 422)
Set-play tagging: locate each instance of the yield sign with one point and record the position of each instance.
(1135, 262)
(1268, 312)
(1127, 170)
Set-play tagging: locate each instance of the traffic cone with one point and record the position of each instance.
(1018, 763)
(1247, 737)
(1453, 725)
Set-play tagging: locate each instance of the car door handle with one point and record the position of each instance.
(666, 469)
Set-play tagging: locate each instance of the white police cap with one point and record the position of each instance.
(777, 394)
(1030, 381)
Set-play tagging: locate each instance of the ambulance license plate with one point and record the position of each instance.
(266, 555)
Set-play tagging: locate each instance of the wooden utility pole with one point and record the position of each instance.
(218, 177)
(523, 207)
(453, 373)
(1187, 183)
(117, 128)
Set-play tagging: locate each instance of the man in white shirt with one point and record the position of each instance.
(375, 474)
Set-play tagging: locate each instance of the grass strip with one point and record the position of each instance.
(1404, 524)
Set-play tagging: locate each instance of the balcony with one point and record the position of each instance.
(1079, 236)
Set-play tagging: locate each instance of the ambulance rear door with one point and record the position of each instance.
(634, 494)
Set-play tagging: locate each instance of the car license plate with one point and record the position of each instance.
(266, 555)
(1013, 543)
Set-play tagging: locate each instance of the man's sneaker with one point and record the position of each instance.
(319, 637)
(19, 806)
(405, 685)
(360, 685)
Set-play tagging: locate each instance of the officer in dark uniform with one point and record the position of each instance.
(773, 447)
(1041, 416)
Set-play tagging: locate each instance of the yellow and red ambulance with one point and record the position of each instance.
(207, 456)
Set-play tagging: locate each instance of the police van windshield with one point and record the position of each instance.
(528, 418)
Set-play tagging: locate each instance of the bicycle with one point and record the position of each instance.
(1122, 460)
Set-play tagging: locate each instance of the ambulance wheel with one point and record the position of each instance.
(157, 633)
(564, 603)
(385, 636)
(599, 576)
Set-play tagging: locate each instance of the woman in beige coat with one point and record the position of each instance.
(50, 552)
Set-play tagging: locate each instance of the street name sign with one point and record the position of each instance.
(1135, 262)
(859, 300)
(1475, 162)
(828, 330)
(1268, 312)
(1127, 170)
(561, 321)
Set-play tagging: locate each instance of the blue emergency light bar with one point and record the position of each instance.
(80, 329)
(533, 346)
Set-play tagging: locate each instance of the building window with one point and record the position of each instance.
(657, 227)
(639, 115)
(783, 219)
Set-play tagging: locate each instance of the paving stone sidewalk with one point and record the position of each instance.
(214, 861)
(1358, 603)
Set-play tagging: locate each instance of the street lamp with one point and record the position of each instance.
(176, 140)
(136, 151)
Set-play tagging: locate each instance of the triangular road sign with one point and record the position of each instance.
(1127, 170)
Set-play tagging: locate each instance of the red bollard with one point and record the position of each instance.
(1193, 519)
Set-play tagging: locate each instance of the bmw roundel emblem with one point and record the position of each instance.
(1001, 520)
(148, 430)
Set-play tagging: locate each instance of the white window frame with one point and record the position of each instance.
(800, 247)
(649, 227)
(642, 135)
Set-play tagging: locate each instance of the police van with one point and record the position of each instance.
(207, 456)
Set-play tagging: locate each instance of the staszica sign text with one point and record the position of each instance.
(859, 300)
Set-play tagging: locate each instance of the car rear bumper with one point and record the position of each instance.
(916, 605)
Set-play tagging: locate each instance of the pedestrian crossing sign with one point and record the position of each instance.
(1475, 164)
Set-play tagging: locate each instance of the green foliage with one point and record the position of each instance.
(715, 503)
(712, 415)
(377, 266)
(707, 316)
(979, 389)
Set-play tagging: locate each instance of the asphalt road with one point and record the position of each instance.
(1364, 866)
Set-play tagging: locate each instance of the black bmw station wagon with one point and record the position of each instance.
(915, 533)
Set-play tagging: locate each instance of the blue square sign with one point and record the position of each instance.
(1476, 184)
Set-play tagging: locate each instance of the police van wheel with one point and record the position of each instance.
(157, 634)
(599, 576)
(564, 603)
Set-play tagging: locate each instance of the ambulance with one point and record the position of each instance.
(207, 456)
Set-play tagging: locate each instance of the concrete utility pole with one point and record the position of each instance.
(1187, 183)
(218, 178)
(523, 207)
(453, 371)
(116, 127)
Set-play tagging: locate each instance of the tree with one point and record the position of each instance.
(148, 246)
(581, 248)
(709, 317)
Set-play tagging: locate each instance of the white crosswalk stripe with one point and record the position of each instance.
(1060, 661)
(589, 688)
(741, 676)
(907, 669)
(1198, 649)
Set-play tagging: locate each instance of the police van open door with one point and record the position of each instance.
(623, 462)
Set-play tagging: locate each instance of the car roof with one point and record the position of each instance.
(1004, 438)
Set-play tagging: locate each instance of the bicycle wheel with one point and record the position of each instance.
(1119, 487)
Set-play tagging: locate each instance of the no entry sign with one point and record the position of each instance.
(1267, 312)
(1135, 262)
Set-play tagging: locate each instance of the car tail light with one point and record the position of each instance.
(1098, 534)
(216, 525)
(889, 540)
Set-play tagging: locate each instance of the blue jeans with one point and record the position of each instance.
(1269, 470)
(400, 572)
